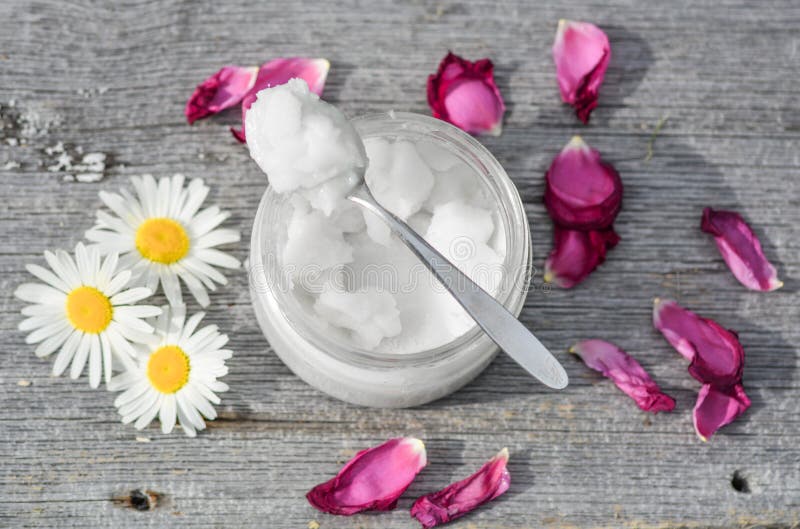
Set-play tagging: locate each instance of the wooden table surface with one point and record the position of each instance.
(112, 78)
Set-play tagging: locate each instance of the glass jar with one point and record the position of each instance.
(376, 379)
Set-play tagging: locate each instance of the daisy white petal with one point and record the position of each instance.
(204, 272)
(131, 334)
(218, 386)
(148, 416)
(55, 264)
(199, 402)
(195, 287)
(110, 241)
(105, 345)
(115, 224)
(48, 277)
(171, 286)
(218, 237)
(106, 271)
(95, 361)
(134, 205)
(69, 270)
(138, 311)
(217, 258)
(123, 350)
(48, 346)
(183, 420)
(168, 413)
(133, 410)
(132, 322)
(67, 352)
(194, 417)
(121, 207)
(81, 355)
(153, 278)
(177, 196)
(118, 282)
(46, 331)
(207, 220)
(38, 321)
(41, 310)
(196, 193)
(162, 199)
(207, 393)
(133, 392)
(191, 326)
(85, 271)
(37, 293)
(132, 296)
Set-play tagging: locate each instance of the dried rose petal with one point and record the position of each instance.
(715, 353)
(576, 254)
(220, 91)
(373, 480)
(464, 93)
(741, 250)
(581, 53)
(626, 372)
(717, 407)
(279, 71)
(457, 499)
(581, 190)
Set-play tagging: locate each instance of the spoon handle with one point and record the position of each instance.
(497, 322)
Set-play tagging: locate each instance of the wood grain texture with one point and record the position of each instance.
(112, 77)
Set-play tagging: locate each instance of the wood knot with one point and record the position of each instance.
(739, 482)
(138, 500)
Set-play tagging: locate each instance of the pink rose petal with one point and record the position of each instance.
(220, 91)
(464, 93)
(581, 190)
(581, 52)
(626, 372)
(715, 353)
(457, 499)
(279, 71)
(373, 480)
(576, 254)
(717, 407)
(741, 250)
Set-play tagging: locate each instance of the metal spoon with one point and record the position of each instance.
(499, 324)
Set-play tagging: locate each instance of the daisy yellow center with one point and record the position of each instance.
(89, 310)
(168, 369)
(162, 240)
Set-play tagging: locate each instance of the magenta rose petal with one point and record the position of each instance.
(373, 480)
(458, 499)
(576, 254)
(741, 250)
(220, 91)
(464, 93)
(279, 71)
(717, 407)
(581, 52)
(715, 353)
(626, 372)
(581, 190)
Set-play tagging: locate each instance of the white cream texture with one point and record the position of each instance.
(352, 276)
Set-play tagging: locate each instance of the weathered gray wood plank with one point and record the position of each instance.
(112, 77)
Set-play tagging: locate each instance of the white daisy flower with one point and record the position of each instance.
(161, 236)
(83, 310)
(175, 379)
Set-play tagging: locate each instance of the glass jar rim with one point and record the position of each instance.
(516, 264)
